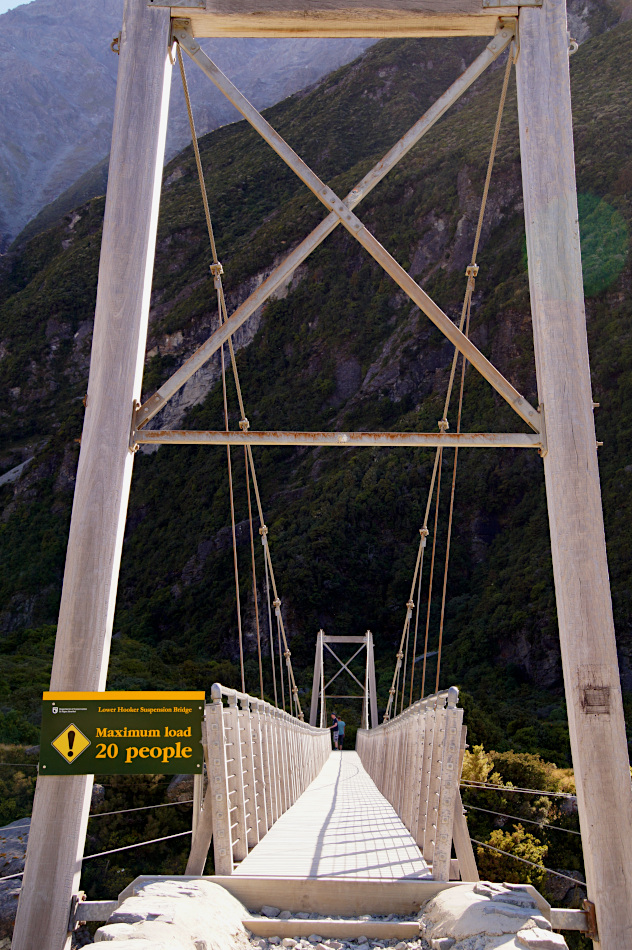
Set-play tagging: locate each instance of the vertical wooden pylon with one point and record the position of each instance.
(60, 810)
(316, 685)
(589, 658)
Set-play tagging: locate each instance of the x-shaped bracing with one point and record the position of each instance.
(340, 212)
(344, 666)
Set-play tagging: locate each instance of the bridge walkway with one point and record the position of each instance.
(340, 827)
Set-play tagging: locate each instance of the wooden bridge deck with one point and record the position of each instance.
(341, 826)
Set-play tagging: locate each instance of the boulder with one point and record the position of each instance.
(177, 915)
(9, 894)
(180, 789)
(487, 917)
(13, 841)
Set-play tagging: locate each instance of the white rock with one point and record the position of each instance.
(538, 939)
(288, 942)
(402, 945)
(460, 912)
(174, 914)
(113, 932)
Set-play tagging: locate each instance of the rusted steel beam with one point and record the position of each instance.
(493, 440)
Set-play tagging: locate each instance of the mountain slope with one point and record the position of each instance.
(57, 84)
(342, 349)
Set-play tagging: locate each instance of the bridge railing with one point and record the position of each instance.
(259, 759)
(415, 760)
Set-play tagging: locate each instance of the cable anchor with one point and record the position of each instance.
(216, 270)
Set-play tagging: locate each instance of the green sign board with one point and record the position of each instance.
(121, 733)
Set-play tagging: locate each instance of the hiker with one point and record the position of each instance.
(334, 729)
(341, 734)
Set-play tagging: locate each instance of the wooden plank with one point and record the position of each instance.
(341, 826)
(463, 844)
(82, 647)
(318, 895)
(328, 18)
(203, 830)
(235, 777)
(580, 569)
(566, 918)
(318, 665)
(372, 686)
(348, 929)
(450, 775)
(218, 778)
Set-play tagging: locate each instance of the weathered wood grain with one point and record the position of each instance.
(84, 631)
(589, 657)
(374, 18)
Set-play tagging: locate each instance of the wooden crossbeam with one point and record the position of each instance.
(331, 18)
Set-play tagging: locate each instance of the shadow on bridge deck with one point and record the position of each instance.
(340, 827)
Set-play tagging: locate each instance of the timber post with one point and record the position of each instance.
(584, 607)
(82, 648)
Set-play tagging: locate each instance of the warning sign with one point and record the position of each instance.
(122, 733)
(70, 743)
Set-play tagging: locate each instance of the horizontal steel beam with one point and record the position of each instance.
(283, 272)
(327, 639)
(492, 440)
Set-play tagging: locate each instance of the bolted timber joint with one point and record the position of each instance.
(74, 920)
(216, 270)
(591, 919)
(133, 444)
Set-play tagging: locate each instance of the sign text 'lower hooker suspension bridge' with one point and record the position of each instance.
(379, 830)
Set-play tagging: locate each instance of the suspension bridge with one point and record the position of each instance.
(381, 826)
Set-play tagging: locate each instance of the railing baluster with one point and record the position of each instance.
(415, 761)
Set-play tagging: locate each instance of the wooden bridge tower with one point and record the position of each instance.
(562, 425)
(321, 684)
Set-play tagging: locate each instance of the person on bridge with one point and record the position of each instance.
(334, 728)
(341, 734)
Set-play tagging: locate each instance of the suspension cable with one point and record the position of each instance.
(254, 571)
(521, 791)
(540, 867)
(528, 821)
(217, 271)
(270, 630)
(471, 273)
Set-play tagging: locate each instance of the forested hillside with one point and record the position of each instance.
(341, 349)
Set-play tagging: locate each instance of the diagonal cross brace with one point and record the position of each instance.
(356, 228)
(156, 402)
(344, 666)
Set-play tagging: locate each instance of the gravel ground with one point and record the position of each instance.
(316, 942)
(330, 943)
